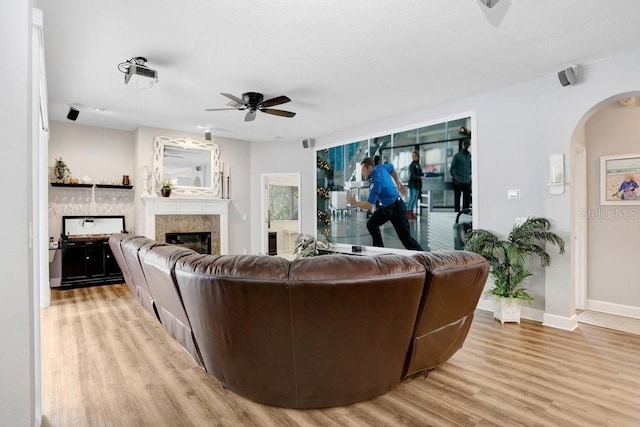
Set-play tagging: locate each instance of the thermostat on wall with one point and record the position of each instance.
(513, 194)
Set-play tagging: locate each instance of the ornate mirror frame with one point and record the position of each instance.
(161, 142)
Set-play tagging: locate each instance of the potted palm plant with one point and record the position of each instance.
(509, 262)
(307, 245)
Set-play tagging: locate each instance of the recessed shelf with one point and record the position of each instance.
(62, 184)
(124, 187)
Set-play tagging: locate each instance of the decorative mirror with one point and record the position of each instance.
(192, 167)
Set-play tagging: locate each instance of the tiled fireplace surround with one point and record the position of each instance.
(176, 214)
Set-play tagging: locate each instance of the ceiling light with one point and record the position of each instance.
(137, 74)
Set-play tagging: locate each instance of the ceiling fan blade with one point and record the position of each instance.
(251, 115)
(275, 101)
(275, 112)
(222, 109)
(233, 98)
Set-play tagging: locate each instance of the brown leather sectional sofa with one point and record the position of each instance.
(313, 332)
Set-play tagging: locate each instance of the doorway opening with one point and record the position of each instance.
(280, 217)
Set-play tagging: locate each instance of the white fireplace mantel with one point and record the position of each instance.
(186, 206)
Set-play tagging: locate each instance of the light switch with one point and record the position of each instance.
(513, 194)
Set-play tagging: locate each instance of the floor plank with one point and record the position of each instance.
(107, 362)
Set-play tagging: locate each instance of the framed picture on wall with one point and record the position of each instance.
(619, 179)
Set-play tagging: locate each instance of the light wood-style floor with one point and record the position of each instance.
(107, 362)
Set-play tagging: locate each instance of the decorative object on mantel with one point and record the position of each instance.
(146, 181)
(509, 259)
(125, 180)
(165, 190)
(61, 171)
(86, 179)
(221, 184)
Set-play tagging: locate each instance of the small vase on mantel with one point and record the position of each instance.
(166, 191)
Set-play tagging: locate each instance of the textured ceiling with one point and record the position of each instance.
(342, 62)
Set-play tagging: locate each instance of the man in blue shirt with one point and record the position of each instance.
(392, 207)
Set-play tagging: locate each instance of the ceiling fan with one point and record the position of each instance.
(254, 101)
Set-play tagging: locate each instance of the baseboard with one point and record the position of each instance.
(611, 308)
(551, 320)
(528, 313)
(560, 322)
(532, 314)
(485, 305)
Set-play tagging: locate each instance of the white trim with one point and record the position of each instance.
(560, 322)
(183, 206)
(486, 304)
(612, 308)
(264, 182)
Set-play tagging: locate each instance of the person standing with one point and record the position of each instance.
(415, 183)
(392, 207)
(461, 174)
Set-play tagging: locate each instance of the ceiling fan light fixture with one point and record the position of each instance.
(254, 101)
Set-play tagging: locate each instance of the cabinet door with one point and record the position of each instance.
(95, 261)
(74, 263)
(110, 263)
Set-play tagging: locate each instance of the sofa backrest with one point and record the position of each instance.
(131, 250)
(239, 311)
(352, 319)
(453, 286)
(158, 267)
(115, 240)
(314, 332)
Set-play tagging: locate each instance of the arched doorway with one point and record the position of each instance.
(601, 233)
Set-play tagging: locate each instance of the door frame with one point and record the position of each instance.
(264, 212)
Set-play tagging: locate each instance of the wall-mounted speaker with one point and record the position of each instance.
(72, 114)
(207, 135)
(306, 143)
(489, 3)
(568, 76)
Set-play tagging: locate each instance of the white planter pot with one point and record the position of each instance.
(507, 309)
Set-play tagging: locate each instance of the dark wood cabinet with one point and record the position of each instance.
(89, 263)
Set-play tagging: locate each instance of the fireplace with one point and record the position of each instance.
(198, 241)
(164, 215)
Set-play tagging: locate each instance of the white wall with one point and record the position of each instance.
(234, 153)
(614, 231)
(17, 317)
(282, 157)
(101, 154)
(517, 129)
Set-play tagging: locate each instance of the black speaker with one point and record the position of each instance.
(72, 114)
(207, 135)
(306, 143)
(567, 76)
